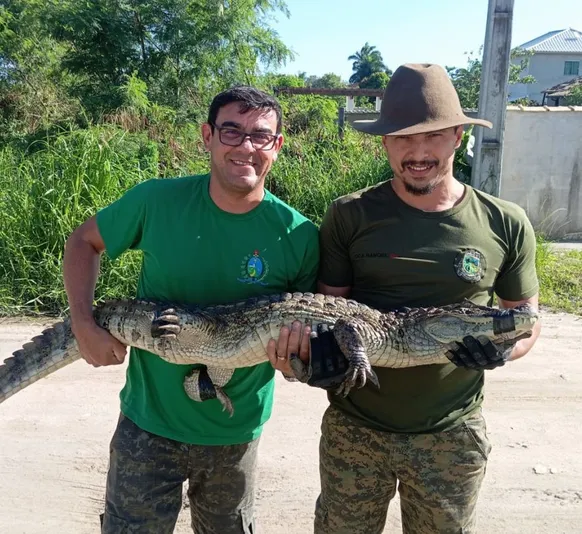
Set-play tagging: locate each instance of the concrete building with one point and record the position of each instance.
(557, 56)
(542, 167)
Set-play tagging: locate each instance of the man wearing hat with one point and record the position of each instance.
(420, 239)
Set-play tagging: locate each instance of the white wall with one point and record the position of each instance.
(542, 166)
(548, 70)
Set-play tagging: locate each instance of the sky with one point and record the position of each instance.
(323, 33)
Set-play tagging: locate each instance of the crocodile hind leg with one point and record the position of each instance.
(207, 383)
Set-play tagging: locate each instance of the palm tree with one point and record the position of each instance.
(366, 62)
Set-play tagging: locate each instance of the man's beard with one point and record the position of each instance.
(425, 189)
(420, 191)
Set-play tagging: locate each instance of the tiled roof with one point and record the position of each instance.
(568, 40)
(564, 88)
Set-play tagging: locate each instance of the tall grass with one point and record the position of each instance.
(312, 172)
(49, 189)
(560, 277)
(46, 193)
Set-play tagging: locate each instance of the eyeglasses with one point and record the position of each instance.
(233, 137)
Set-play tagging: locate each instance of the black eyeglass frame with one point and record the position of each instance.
(268, 146)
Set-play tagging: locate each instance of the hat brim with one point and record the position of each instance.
(380, 127)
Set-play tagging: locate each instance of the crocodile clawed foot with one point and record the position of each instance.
(357, 377)
(224, 401)
(372, 377)
(166, 325)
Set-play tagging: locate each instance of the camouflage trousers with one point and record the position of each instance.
(438, 477)
(146, 475)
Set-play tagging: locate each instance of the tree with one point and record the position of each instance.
(177, 47)
(270, 81)
(378, 80)
(467, 81)
(365, 63)
(33, 86)
(327, 81)
(574, 98)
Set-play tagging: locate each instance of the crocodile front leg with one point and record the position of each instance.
(351, 342)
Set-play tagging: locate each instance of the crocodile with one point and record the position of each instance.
(229, 336)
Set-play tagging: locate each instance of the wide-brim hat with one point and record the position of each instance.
(419, 98)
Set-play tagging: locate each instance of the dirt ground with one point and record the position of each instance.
(54, 439)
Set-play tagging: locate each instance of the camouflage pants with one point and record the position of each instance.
(146, 474)
(438, 477)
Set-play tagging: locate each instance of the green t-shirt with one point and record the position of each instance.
(195, 253)
(394, 255)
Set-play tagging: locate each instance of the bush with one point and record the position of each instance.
(49, 189)
(46, 193)
(309, 113)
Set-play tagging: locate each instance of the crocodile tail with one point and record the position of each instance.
(44, 354)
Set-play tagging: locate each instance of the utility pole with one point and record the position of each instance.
(486, 173)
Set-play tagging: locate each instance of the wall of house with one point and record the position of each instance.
(542, 166)
(548, 70)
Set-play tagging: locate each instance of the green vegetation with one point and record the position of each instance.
(560, 275)
(97, 96)
(574, 98)
(366, 62)
(467, 80)
(51, 188)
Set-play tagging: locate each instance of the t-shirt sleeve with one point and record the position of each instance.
(306, 280)
(121, 223)
(335, 267)
(518, 277)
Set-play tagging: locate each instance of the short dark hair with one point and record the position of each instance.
(249, 98)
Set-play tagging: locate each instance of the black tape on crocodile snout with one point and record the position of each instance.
(503, 323)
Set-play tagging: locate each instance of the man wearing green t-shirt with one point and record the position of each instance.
(420, 239)
(205, 239)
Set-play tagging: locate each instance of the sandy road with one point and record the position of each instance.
(54, 440)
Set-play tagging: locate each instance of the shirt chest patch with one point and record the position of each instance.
(470, 265)
(254, 269)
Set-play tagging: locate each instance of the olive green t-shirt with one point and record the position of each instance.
(195, 253)
(394, 255)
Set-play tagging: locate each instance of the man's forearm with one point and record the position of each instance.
(80, 271)
(523, 346)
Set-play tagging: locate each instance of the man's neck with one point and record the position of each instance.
(445, 196)
(235, 202)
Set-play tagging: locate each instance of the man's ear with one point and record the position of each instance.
(278, 144)
(206, 130)
(459, 130)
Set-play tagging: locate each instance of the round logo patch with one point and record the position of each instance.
(470, 265)
(254, 269)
